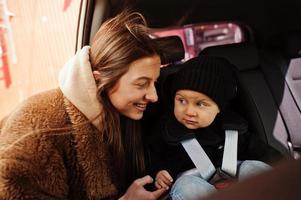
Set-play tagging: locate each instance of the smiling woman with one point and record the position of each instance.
(136, 88)
(82, 140)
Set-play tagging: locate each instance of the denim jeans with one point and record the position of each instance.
(191, 187)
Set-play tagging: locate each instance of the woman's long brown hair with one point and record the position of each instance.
(120, 41)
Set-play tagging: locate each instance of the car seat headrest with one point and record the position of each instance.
(243, 56)
(171, 49)
(292, 45)
(288, 43)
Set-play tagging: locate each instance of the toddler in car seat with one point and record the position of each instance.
(200, 94)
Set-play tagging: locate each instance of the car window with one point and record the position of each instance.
(196, 37)
(37, 37)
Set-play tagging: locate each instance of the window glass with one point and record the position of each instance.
(196, 37)
(36, 38)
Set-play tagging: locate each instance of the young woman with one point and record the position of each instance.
(82, 140)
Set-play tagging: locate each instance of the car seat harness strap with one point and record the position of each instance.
(199, 158)
(229, 163)
(202, 162)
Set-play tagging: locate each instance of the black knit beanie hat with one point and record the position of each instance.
(210, 75)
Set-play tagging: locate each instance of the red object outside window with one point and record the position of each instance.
(4, 64)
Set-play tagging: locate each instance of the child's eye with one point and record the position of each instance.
(201, 104)
(182, 101)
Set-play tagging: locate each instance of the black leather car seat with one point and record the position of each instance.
(255, 100)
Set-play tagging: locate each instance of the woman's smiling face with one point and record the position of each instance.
(136, 88)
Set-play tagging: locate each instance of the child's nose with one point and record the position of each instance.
(190, 111)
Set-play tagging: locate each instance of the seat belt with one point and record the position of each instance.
(229, 163)
(201, 160)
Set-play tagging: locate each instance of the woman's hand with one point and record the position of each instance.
(163, 180)
(137, 190)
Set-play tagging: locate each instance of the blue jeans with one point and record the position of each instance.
(191, 187)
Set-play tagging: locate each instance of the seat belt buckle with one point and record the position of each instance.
(222, 180)
(295, 154)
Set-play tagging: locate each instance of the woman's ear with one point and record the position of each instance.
(96, 75)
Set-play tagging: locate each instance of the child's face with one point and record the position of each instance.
(194, 109)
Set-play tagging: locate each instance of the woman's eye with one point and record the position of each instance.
(142, 85)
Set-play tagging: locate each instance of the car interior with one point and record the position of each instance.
(262, 39)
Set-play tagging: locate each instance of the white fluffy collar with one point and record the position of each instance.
(78, 85)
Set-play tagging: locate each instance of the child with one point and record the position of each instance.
(200, 92)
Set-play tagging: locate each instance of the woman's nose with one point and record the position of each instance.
(151, 95)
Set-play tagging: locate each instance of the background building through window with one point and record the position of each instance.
(36, 38)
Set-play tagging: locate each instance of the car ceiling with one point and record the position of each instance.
(265, 17)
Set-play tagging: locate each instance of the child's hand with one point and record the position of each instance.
(163, 180)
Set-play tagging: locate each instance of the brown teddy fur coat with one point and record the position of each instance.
(39, 160)
(53, 164)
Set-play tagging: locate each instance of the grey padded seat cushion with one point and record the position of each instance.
(283, 70)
